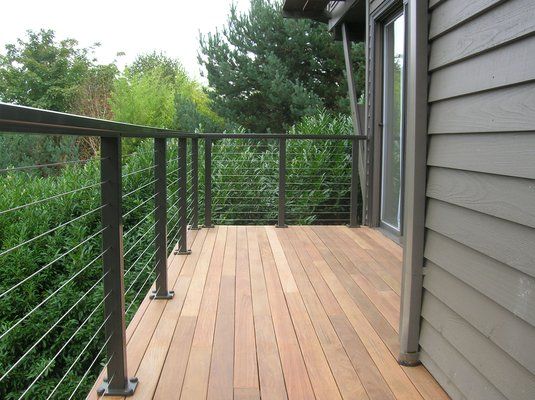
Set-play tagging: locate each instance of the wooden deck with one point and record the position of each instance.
(260, 312)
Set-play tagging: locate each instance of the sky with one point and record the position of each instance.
(133, 27)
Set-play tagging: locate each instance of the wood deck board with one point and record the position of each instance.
(297, 313)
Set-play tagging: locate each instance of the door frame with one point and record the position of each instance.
(415, 153)
(381, 16)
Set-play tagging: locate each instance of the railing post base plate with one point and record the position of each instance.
(281, 226)
(353, 225)
(182, 253)
(409, 359)
(167, 296)
(104, 389)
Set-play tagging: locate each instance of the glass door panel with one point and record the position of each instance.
(392, 143)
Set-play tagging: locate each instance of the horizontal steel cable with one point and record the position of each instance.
(175, 214)
(52, 230)
(139, 273)
(139, 170)
(61, 318)
(174, 226)
(140, 205)
(138, 189)
(80, 355)
(91, 366)
(50, 165)
(172, 194)
(64, 346)
(171, 172)
(141, 255)
(139, 291)
(51, 295)
(139, 240)
(52, 262)
(139, 222)
(50, 198)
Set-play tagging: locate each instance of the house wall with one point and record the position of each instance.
(478, 310)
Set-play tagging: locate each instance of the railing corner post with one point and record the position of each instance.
(160, 216)
(281, 222)
(118, 382)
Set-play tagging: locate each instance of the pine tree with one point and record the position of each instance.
(267, 72)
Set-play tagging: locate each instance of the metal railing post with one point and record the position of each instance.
(208, 183)
(117, 383)
(160, 217)
(353, 211)
(282, 184)
(182, 197)
(195, 182)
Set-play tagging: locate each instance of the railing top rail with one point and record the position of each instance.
(294, 136)
(16, 118)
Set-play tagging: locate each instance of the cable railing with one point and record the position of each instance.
(90, 248)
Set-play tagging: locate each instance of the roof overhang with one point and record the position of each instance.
(307, 9)
(333, 13)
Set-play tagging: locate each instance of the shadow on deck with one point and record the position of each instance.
(298, 313)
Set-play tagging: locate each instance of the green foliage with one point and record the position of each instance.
(40, 72)
(19, 226)
(22, 150)
(267, 72)
(144, 99)
(245, 176)
(244, 191)
(156, 91)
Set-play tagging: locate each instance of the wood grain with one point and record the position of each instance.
(276, 314)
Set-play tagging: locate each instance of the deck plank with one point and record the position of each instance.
(221, 380)
(245, 363)
(196, 380)
(348, 382)
(269, 365)
(372, 380)
(296, 377)
(308, 312)
(174, 367)
(320, 374)
(399, 383)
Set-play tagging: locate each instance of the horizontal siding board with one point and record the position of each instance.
(504, 66)
(505, 241)
(512, 334)
(503, 24)
(504, 197)
(454, 12)
(374, 4)
(435, 3)
(440, 376)
(509, 377)
(466, 378)
(513, 290)
(510, 154)
(507, 109)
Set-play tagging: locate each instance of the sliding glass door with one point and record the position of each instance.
(392, 136)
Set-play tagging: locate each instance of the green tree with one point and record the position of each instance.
(156, 90)
(267, 72)
(39, 71)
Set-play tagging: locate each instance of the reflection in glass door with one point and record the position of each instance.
(392, 140)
